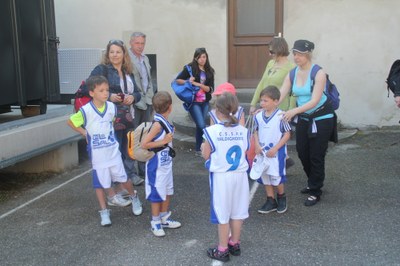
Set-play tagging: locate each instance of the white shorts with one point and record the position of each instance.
(159, 181)
(103, 177)
(271, 180)
(229, 197)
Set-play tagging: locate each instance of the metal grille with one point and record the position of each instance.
(75, 65)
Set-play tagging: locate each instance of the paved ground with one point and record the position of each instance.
(357, 221)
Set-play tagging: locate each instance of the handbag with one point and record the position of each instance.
(185, 92)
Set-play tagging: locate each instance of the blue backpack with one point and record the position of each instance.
(330, 89)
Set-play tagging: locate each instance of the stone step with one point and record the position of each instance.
(245, 95)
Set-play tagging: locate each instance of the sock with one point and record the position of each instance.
(162, 214)
(156, 218)
(222, 249)
(233, 243)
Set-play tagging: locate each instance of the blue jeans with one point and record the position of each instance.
(199, 111)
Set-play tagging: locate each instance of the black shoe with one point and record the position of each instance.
(215, 254)
(282, 207)
(270, 205)
(289, 163)
(235, 249)
(305, 190)
(311, 200)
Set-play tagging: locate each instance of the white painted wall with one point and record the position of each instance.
(356, 43)
(355, 40)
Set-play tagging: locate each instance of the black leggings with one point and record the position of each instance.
(312, 151)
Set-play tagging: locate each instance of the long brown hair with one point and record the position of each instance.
(126, 62)
(227, 104)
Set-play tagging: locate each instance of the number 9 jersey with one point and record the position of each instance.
(228, 148)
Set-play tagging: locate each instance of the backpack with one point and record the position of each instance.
(393, 79)
(135, 151)
(82, 95)
(330, 90)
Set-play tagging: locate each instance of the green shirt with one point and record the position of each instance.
(77, 118)
(274, 76)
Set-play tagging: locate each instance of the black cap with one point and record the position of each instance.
(303, 46)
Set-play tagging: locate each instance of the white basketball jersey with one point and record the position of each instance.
(215, 119)
(270, 131)
(102, 144)
(228, 148)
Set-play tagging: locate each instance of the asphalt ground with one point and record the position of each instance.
(357, 221)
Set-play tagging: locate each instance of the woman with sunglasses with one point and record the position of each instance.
(275, 72)
(116, 66)
(203, 77)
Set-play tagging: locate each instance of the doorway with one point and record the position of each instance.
(251, 26)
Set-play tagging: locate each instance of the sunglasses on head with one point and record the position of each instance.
(271, 52)
(118, 42)
(201, 50)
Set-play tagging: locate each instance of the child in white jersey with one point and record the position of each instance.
(95, 122)
(271, 134)
(159, 178)
(226, 87)
(225, 149)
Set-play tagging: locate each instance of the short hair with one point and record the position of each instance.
(161, 102)
(94, 81)
(271, 92)
(227, 104)
(279, 46)
(138, 34)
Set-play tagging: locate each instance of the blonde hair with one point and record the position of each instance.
(227, 104)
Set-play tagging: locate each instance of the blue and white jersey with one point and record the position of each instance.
(228, 148)
(215, 119)
(270, 131)
(103, 146)
(162, 157)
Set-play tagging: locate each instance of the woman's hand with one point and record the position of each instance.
(128, 99)
(115, 98)
(397, 101)
(289, 115)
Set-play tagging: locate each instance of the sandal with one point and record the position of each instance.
(305, 190)
(311, 200)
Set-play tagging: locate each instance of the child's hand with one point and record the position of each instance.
(271, 152)
(168, 138)
(257, 149)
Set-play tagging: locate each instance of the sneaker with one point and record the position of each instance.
(311, 200)
(157, 228)
(118, 200)
(282, 207)
(136, 204)
(260, 164)
(105, 217)
(215, 254)
(270, 205)
(137, 181)
(166, 222)
(234, 250)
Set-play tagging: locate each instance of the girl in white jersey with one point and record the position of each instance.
(225, 149)
(226, 87)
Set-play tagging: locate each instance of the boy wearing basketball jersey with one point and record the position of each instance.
(272, 134)
(95, 122)
(158, 179)
(224, 150)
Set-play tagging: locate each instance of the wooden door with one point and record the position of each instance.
(251, 26)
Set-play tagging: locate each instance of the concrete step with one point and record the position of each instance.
(245, 95)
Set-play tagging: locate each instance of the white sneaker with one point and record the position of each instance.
(105, 217)
(157, 228)
(118, 200)
(166, 222)
(260, 164)
(136, 204)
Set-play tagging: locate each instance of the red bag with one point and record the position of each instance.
(81, 96)
(251, 153)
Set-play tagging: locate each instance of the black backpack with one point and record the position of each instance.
(393, 80)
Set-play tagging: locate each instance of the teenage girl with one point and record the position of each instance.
(224, 150)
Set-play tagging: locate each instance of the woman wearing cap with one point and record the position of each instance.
(275, 72)
(315, 118)
(203, 77)
(228, 88)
